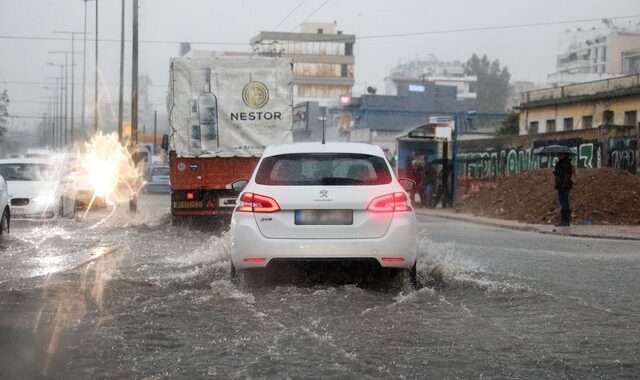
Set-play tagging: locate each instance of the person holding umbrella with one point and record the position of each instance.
(563, 173)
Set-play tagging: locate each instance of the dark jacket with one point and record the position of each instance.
(429, 173)
(563, 173)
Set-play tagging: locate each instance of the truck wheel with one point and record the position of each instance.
(5, 223)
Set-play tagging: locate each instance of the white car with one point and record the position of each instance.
(313, 201)
(5, 219)
(34, 187)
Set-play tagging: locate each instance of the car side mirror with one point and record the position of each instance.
(407, 184)
(239, 185)
(165, 143)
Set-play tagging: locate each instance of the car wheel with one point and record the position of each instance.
(235, 279)
(5, 223)
(413, 276)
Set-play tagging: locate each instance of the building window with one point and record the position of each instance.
(607, 117)
(630, 118)
(533, 128)
(587, 122)
(348, 48)
(320, 31)
(568, 124)
(344, 72)
(551, 125)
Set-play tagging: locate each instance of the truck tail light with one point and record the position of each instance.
(250, 202)
(395, 202)
(190, 196)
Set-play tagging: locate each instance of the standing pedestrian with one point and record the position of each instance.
(429, 177)
(563, 173)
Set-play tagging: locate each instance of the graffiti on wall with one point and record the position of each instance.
(498, 161)
(622, 153)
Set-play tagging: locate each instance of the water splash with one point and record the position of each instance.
(110, 169)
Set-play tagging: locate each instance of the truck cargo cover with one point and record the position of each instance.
(254, 105)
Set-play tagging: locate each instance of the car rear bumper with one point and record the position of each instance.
(34, 211)
(248, 243)
(158, 188)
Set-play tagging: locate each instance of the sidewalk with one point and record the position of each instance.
(621, 232)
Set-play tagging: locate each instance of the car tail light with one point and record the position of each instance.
(395, 202)
(190, 196)
(250, 202)
(393, 259)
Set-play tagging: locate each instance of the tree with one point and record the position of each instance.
(492, 85)
(509, 126)
(4, 113)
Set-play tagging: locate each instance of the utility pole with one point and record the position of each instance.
(84, 66)
(121, 85)
(155, 131)
(95, 102)
(134, 78)
(133, 201)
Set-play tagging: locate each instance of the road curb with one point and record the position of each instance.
(518, 226)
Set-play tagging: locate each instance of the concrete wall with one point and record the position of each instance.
(595, 148)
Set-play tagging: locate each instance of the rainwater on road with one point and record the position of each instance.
(131, 296)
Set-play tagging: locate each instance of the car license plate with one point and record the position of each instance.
(227, 202)
(17, 210)
(187, 204)
(324, 217)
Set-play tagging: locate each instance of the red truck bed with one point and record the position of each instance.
(199, 185)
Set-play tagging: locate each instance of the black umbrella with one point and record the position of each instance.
(554, 150)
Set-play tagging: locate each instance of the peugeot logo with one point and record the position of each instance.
(324, 194)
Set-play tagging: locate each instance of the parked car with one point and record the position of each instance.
(34, 187)
(5, 219)
(158, 180)
(79, 191)
(333, 201)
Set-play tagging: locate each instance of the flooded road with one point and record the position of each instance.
(134, 297)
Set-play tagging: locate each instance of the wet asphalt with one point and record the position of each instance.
(131, 296)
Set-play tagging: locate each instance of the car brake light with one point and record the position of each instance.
(395, 202)
(189, 196)
(393, 259)
(250, 202)
(255, 260)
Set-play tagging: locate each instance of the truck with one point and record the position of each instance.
(223, 112)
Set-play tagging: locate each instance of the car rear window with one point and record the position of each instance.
(163, 170)
(27, 172)
(309, 169)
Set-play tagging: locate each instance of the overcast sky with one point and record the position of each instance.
(528, 52)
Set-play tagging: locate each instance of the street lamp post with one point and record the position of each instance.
(73, 76)
(63, 105)
(53, 112)
(66, 90)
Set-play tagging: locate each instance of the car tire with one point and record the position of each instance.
(5, 223)
(413, 276)
(235, 278)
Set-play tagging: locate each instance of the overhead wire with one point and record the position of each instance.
(338, 38)
(289, 14)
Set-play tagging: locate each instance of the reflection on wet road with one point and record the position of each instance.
(158, 303)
